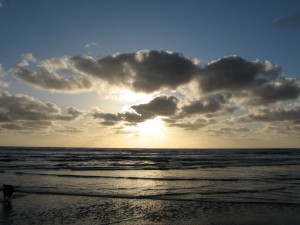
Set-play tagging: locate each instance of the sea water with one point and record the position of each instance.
(213, 175)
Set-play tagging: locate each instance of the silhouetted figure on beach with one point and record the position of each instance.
(8, 191)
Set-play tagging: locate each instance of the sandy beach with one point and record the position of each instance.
(29, 209)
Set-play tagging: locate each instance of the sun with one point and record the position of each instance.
(151, 127)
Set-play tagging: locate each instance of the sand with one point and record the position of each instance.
(30, 209)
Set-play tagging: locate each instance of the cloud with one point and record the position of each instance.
(27, 125)
(69, 129)
(2, 75)
(52, 81)
(159, 106)
(53, 74)
(253, 82)
(25, 112)
(90, 45)
(208, 104)
(292, 22)
(144, 71)
(224, 131)
(26, 59)
(1, 3)
(223, 87)
(187, 125)
(234, 73)
(130, 118)
(287, 130)
(289, 113)
(277, 90)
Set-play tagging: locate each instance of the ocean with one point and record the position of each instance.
(231, 175)
(227, 176)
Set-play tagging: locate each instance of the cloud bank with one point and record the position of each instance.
(227, 89)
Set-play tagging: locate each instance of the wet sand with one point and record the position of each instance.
(31, 209)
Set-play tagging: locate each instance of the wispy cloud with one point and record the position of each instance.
(3, 84)
(90, 45)
(1, 3)
(292, 22)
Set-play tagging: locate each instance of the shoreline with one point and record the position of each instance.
(65, 209)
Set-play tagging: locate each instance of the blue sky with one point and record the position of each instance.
(206, 30)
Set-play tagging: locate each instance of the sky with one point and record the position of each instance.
(150, 74)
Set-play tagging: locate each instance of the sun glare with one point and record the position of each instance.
(151, 127)
(132, 97)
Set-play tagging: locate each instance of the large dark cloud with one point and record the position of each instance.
(235, 73)
(252, 81)
(25, 112)
(144, 71)
(159, 106)
(291, 22)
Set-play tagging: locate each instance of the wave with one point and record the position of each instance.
(177, 196)
(278, 178)
(135, 167)
(128, 177)
(142, 159)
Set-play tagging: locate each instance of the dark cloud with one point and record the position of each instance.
(50, 80)
(287, 113)
(193, 125)
(234, 73)
(26, 113)
(277, 90)
(208, 104)
(253, 81)
(113, 69)
(72, 114)
(130, 118)
(27, 125)
(292, 22)
(144, 71)
(159, 106)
